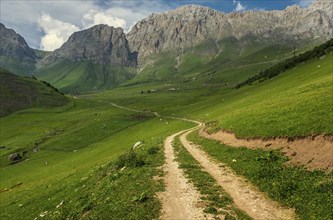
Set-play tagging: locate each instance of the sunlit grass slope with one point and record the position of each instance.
(296, 103)
(77, 163)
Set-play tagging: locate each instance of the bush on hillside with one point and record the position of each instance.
(153, 150)
(129, 159)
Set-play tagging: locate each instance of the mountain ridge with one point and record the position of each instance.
(189, 26)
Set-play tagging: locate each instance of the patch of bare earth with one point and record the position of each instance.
(314, 152)
(180, 200)
(246, 197)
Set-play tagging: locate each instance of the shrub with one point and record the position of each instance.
(129, 159)
(153, 150)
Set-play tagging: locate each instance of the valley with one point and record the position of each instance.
(181, 121)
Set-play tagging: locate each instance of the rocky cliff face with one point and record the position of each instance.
(100, 44)
(189, 26)
(14, 46)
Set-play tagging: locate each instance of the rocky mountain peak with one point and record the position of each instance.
(178, 29)
(100, 44)
(14, 46)
(191, 25)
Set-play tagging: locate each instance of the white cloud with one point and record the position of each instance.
(239, 6)
(304, 3)
(94, 17)
(56, 32)
(65, 17)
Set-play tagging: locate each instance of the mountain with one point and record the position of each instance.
(100, 44)
(190, 40)
(15, 53)
(93, 59)
(19, 92)
(189, 26)
(14, 45)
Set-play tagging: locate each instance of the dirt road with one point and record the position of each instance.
(180, 199)
(246, 197)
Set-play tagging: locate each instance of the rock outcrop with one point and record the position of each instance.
(189, 26)
(100, 44)
(13, 45)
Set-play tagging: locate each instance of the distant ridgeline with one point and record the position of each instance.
(289, 63)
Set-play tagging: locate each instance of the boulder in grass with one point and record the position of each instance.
(14, 157)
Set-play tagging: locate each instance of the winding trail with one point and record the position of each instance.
(246, 197)
(181, 200)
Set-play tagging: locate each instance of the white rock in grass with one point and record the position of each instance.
(234, 160)
(43, 214)
(137, 144)
(60, 204)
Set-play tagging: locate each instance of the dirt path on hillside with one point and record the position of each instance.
(314, 152)
(180, 199)
(246, 197)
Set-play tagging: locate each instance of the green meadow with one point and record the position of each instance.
(296, 103)
(78, 142)
(85, 166)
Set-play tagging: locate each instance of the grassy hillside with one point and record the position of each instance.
(81, 146)
(84, 166)
(317, 52)
(23, 92)
(297, 102)
(83, 76)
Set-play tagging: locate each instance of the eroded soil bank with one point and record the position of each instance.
(313, 152)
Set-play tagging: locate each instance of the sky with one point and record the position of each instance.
(47, 24)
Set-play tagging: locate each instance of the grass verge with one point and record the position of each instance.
(310, 193)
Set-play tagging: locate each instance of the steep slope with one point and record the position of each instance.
(15, 54)
(318, 52)
(100, 44)
(190, 26)
(18, 93)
